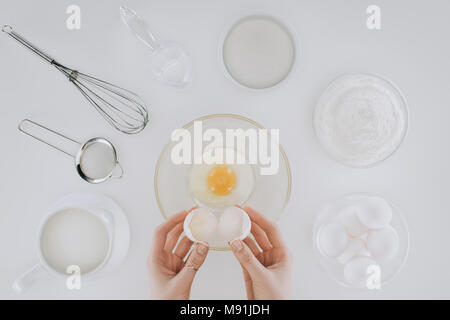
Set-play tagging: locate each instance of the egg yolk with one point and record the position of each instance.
(221, 181)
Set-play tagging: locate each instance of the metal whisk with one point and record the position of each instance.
(121, 108)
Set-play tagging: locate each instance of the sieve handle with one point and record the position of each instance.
(10, 31)
(21, 129)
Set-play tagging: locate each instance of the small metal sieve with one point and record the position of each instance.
(80, 156)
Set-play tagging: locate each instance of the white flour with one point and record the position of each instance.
(361, 119)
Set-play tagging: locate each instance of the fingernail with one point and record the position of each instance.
(201, 249)
(236, 245)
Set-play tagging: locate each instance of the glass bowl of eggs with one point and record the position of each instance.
(218, 185)
(361, 240)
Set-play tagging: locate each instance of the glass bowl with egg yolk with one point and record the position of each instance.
(179, 187)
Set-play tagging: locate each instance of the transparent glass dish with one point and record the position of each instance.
(283, 24)
(170, 63)
(270, 194)
(333, 268)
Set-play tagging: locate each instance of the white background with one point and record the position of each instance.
(412, 49)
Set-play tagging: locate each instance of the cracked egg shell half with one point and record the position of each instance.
(200, 225)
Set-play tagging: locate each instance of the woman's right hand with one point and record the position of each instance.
(266, 264)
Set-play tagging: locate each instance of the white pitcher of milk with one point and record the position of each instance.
(77, 236)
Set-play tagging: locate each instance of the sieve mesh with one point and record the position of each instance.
(98, 160)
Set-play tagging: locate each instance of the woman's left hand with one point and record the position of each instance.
(170, 275)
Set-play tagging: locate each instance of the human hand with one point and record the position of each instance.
(170, 275)
(267, 271)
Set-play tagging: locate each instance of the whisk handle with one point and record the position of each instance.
(10, 31)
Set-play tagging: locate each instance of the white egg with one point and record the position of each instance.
(234, 223)
(332, 239)
(356, 247)
(383, 243)
(200, 225)
(237, 192)
(349, 218)
(375, 212)
(355, 271)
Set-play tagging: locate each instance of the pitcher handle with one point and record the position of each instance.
(27, 280)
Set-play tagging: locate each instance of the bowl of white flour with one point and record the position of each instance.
(361, 119)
